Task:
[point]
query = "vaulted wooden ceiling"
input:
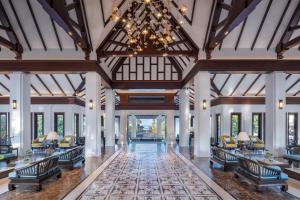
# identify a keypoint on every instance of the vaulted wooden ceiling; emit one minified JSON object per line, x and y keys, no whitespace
{"x":223,"y":29}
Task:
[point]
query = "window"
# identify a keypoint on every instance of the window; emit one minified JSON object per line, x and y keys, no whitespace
{"x":84,"y":124}
{"x":235,"y":124}
{"x":38,"y":124}
{"x":4,"y":126}
{"x":257,"y":125}
{"x":59,"y":123}
{"x":218,"y":127}
{"x":176,"y":124}
{"x":76,"y":126}
{"x":117,"y":126}
{"x":292,"y":129}
{"x":192,"y":122}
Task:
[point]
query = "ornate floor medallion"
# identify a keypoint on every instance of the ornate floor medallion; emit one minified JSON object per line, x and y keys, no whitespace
{"x":148,"y":175}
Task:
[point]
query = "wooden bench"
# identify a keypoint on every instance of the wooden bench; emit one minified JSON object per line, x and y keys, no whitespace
{"x":261,"y":175}
{"x":35,"y":173}
{"x":71,"y":157}
{"x":224,"y":158}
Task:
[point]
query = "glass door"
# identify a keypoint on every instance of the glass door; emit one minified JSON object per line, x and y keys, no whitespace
{"x":146,"y":127}
{"x":292,"y":129}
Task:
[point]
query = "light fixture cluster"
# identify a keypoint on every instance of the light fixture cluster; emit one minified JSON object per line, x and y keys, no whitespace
{"x":148,"y":23}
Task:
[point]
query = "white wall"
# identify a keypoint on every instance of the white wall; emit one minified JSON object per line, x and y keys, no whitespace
{"x":246,"y":112}
{"x":50,"y":109}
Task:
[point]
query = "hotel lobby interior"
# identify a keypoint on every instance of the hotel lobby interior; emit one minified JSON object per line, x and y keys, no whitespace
{"x":150,"y":99}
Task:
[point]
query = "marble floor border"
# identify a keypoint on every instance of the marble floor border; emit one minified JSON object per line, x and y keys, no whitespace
{"x":217,"y":189}
{"x":78,"y":190}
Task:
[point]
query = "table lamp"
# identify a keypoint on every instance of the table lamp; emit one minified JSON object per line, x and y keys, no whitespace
{"x":243,"y":138}
{"x":52,"y":136}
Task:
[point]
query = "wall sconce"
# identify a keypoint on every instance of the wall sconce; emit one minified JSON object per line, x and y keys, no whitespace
{"x":204,"y":104}
{"x":280,"y":104}
{"x":91,"y":105}
{"x":14,"y":104}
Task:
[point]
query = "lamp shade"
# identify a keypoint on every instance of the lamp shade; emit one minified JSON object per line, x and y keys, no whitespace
{"x":243,"y":136}
{"x":52,"y":136}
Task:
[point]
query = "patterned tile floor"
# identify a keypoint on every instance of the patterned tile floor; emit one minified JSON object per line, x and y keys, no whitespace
{"x":146,"y":174}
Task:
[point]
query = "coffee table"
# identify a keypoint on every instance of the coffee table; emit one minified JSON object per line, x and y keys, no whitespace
{"x":293,"y":173}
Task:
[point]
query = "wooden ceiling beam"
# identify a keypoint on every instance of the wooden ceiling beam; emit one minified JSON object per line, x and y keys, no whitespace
{"x":285,"y":42}
{"x":12,"y":43}
{"x":146,"y":84}
{"x":243,"y":66}
{"x":239,"y":11}
{"x":57,"y":10}
{"x":147,"y":53}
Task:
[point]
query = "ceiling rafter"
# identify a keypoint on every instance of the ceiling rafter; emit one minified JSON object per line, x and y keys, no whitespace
{"x":58,"y":85}
{"x":251,"y":85}
{"x":286,"y":42}
{"x":238,"y":84}
{"x":278,"y":24}
{"x":238,"y":11}
{"x":59,"y":11}
{"x":12,"y":43}
{"x":36,"y":25}
{"x":80,"y":87}
{"x":261,"y":24}
{"x":44,"y":84}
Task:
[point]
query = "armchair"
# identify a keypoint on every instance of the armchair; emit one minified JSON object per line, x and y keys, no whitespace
{"x":67,"y":142}
{"x":228,"y":142}
{"x":256,"y":143}
{"x":39,"y":142}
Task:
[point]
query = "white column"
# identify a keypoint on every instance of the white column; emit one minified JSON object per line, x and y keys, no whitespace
{"x":109,"y":117}
{"x":134,"y":126}
{"x":20,"y":117}
{"x":275,"y":117}
{"x":123,"y":128}
{"x":202,"y":115}
{"x":159,"y":121}
{"x":170,"y":127}
{"x":184,"y":113}
{"x":93,"y":115}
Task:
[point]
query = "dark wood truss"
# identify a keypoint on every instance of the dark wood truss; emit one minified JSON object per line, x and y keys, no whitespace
{"x":59,"y":11}
{"x":238,"y":11}
{"x":12,"y":42}
{"x":286,"y":42}
{"x":134,"y":68}
{"x":115,"y":45}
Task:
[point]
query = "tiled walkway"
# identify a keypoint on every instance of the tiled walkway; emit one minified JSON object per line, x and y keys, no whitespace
{"x":147,"y":173}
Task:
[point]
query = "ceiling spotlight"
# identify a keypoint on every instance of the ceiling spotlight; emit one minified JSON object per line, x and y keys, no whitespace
{"x":145,"y":32}
{"x":147,"y":1}
{"x":226,"y":33}
{"x":159,"y":15}
{"x":165,"y":54}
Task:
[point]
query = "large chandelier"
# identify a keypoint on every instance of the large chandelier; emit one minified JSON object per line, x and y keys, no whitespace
{"x":148,"y":24}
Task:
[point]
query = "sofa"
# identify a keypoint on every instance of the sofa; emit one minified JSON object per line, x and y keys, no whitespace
{"x":223,"y":158}
{"x":71,"y":157}
{"x":293,"y":155}
{"x":67,"y":142}
{"x":228,"y":142}
{"x":35,"y":173}
{"x":6,"y":153}
{"x":39,"y":142}
{"x":256,"y":144}
{"x":261,"y":175}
